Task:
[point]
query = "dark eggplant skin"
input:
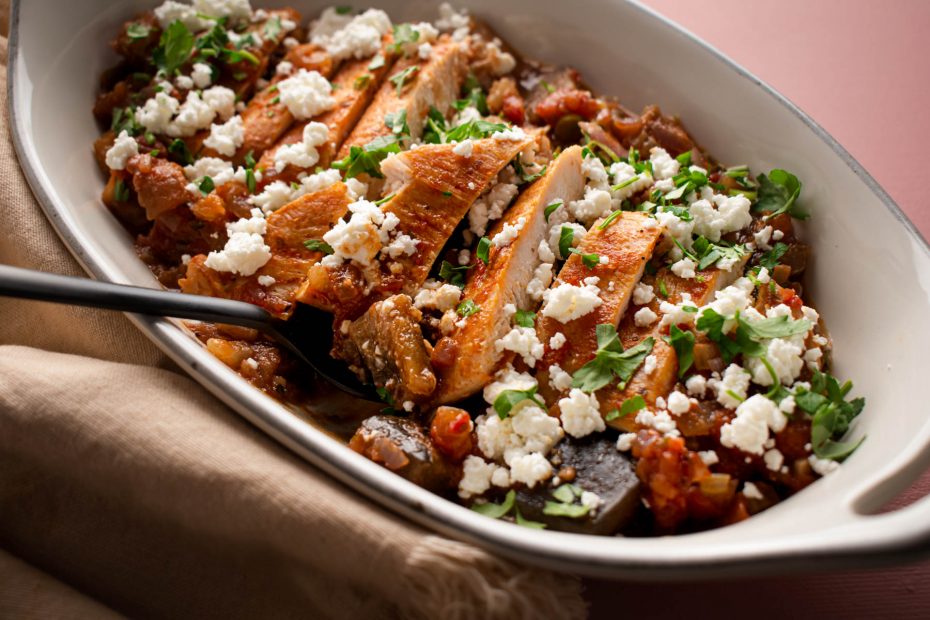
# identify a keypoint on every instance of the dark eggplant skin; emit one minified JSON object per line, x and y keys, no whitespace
{"x":600,"y":468}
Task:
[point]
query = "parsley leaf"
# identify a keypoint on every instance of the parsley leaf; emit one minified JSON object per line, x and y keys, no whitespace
{"x":403,"y":34}
{"x":397,"y":123}
{"x":137,"y":31}
{"x":179,"y":149}
{"x":559,"y":509}
{"x":631,"y":405}
{"x":610,"y":361}
{"x":484,"y":250}
{"x":361,"y":82}
{"x":551,"y":207}
{"x":318,"y":245}
{"x":473,"y":129}
{"x":508,"y":399}
{"x":709,"y":253}
{"x":401,"y":78}
{"x":496,"y":511}
{"x":566,"y":236}
{"x":367,"y":159}
{"x":832,"y":415}
{"x":467,"y":308}
{"x":174,"y":47}
{"x":206,"y":185}
{"x":377,"y":62}
{"x":120,"y":191}
{"x":778,"y":193}
{"x":683,"y":343}
{"x":524,"y":318}
{"x":453,"y":275}
{"x":589,"y":260}
{"x":770,"y":259}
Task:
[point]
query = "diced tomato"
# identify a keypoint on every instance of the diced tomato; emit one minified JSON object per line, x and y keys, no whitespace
{"x":451,"y":432}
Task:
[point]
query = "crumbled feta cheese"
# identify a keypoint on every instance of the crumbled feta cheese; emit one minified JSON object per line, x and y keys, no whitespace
{"x":664,"y":166}
{"x":595,"y":204}
{"x":659,"y":420}
{"x":581,"y":414}
{"x":512,"y":134}
{"x":476,"y":476}
{"x":306,"y":94}
{"x":822,"y":466}
{"x":171,"y":11}
{"x":202,"y":75}
{"x":555,"y":234}
{"x":510,"y":232}
{"x":557,"y":341}
{"x":762,"y":238}
{"x":452,"y":20}
{"x":649,"y":364}
{"x":530,"y":469}
{"x":274,"y":196}
{"x":643,"y":294}
{"x":507,"y":379}
{"x":783,"y":356}
{"x":490,"y":206}
{"x":592,"y":501}
{"x":751,"y":491}
{"x":676,"y":228}
{"x":684,"y":268}
{"x":645,"y":316}
{"x":787,"y":405}
{"x":155,"y":114}
{"x":245,"y":251}
{"x":226,"y":138}
{"x":773,"y":459}
{"x":123,"y":148}
{"x":360,"y":237}
{"x":709,"y":457}
{"x":252,"y":363}
{"x":184,"y":82}
{"x":749,"y":430}
{"x":678,"y":403}
{"x":464,"y":148}
{"x":443,"y":298}
{"x":778,"y":235}
{"x":523,"y":342}
{"x":625,"y":441}
{"x":731,"y":389}
{"x":219,"y":170}
{"x":266,"y":280}
{"x":358,"y":37}
{"x":560,"y":380}
{"x":303,"y":154}
{"x":696,"y":385}
{"x":567,"y":302}
{"x":677,"y":314}
{"x":284,"y":67}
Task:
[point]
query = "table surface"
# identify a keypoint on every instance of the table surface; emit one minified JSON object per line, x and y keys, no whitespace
{"x":861,"y":70}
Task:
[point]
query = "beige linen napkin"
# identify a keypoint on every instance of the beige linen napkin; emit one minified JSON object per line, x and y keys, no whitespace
{"x":124,"y":479}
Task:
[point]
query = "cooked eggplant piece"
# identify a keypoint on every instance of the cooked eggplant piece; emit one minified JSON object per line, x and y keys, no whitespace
{"x":160,"y":185}
{"x":504,"y":279}
{"x":401,"y":445}
{"x":387,"y":345}
{"x":598,"y":467}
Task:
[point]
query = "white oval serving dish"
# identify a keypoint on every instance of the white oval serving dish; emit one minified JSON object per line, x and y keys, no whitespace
{"x":870,"y":277}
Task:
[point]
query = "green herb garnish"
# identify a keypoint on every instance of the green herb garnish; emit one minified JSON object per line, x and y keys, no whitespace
{"x":610,"y":361}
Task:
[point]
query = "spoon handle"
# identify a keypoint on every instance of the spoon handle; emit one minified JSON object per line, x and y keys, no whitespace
{"x":29,"y":284}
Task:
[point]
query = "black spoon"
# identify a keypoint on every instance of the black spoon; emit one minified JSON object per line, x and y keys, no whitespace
{"x":308,"y":335}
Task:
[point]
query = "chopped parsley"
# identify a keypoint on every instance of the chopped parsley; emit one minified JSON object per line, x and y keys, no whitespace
{"x":206,"y":185}
{"x":683,"y":343}
{"x":318,"y":245}
{"x":565,"y":506}
{"x":120,"y":191}
{"x":524,"y":318}
{"x":404,"y":34}
{"x":832,"y":414}
{"x":498,"y":511}
{"x":467,"y":308}
{"x":709,"y":253}
{"x":551,"y":207}
{"x":610,"y":361}
{"x":137,"y":31}
{"x":778,"y":193}
{"x":484,"y":250}
{"x":400,"y":79}
{"x":588,"y":260}
{"x":508,"y":399}
{"x":174,"y":48}
{"x":377,"y":62}
{"x":770,"y":259}
{"x":610,"y":219}
{"x":182,"y":154}
{"x":566,"y":237}
{"x":361,"y":82}
{"x":453,"y":275}
{"x":367,"y":159}
{"x":397,"y":123}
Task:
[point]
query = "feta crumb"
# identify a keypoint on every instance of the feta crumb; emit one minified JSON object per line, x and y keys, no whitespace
{"x":557,"y":341}
{"x":645,"y":316}
{"x":749,"y":430}
{"x":245,"y":251}
{"x":731,"y":389}
{"x":227,"y":137}
{"x":507,"y":235}
{"x":464,"y":148}
{"x":306,"y":94}
{"x":580,"y":414}
{"x":643,"y":294}
{"x":773,"y":459}
{"x":252,"y":363}
{"x":649,"y":364}
{"x":560,"y":380}
{"x":822,"y":466}
{"x":476,"y":476}
{"x":344,"y":37}
{"x":523,"y":342}
{"x":591,"y":500}
{"x":530,"y":469}
{"x":567,"y":302}
{"x":696,"y":385}
{"x":625,"y":441}
{"x":122,"y":150}
{"x":778,"y":235}
{"x":678,"y":403}
{"x":751,"y":491}
{"x":664,"y":166}
{"x":202,"y":75}
{"x":659,"y":420}
{"x":266,"y":280}
{"x":512,"y":134}
{"x":284,"y":68}
{"x":684,"y":268}
{"x":709,"y":457}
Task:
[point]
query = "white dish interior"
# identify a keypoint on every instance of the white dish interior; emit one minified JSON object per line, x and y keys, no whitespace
{"x":870,"y":277}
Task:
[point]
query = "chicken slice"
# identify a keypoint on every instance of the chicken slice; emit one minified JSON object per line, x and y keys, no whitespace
{"x":354,"y":86}
{"x":503,"y":280}
{"x":436,"y":188}
{"x":414,"y":85}
{"x":663,"y":376}
{"x":386,"y":345}
{"x":627,"y":243}
{"x":308,"y":217}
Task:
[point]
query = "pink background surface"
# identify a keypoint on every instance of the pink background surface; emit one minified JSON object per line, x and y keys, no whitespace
{"x":861,"y":69}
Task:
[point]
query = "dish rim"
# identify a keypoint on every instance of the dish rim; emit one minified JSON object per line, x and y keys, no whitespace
{"x":837,"y":547}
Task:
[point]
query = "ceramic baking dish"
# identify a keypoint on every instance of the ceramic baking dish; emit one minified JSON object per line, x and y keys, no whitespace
{"x":870,"y":276}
